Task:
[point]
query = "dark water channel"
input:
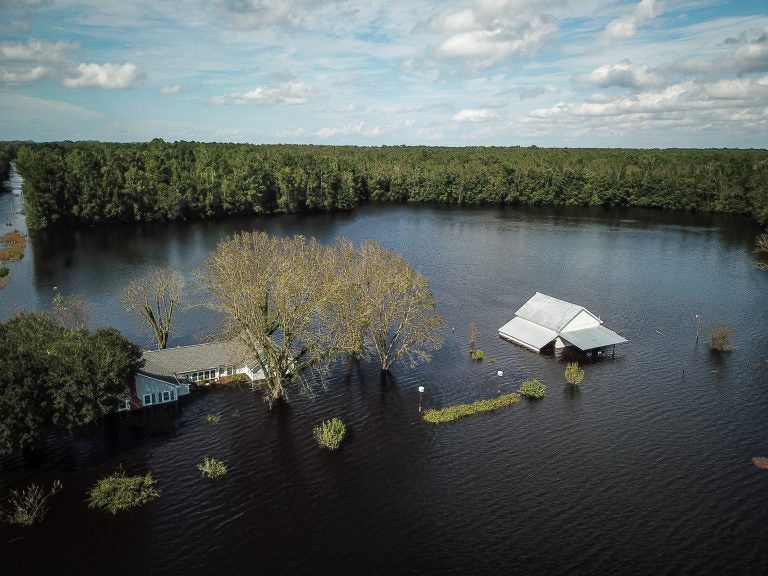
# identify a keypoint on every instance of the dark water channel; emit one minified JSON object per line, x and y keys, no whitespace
{"x":639,"y":471}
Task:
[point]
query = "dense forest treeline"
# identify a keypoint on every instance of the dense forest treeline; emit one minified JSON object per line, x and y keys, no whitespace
{"x":73,"y":183}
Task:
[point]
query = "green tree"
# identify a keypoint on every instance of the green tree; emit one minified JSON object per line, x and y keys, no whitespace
{"x":52,"y":376}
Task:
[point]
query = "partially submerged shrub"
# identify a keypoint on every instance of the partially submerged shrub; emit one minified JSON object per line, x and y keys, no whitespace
{"x":212,"y":418}
{"x":29,"y":505}
{"x":330,"y":433}
{"x":477,"y":354}
{"x":457,"y":411}
{"x":120,"y":492}
{"x":720,"y":337}
{"x":533,"y":389}
{"x":573,"y":373}
{"x":4,"y":271}
{"x":212,"y":468}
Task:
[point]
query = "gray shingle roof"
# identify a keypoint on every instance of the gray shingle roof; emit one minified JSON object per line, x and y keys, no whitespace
{"x":196,"y":357}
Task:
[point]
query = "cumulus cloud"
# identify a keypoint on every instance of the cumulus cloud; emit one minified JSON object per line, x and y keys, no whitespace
{"x":474,"y":115}
{"x":494,"y":30}
{"x":721,"y":99}
{"x":624,"y":74}
{"x":282,"y":93}
{"x":33,"y":60}
{"x":626,"y":26}
{"x":108,"y":76}
{"x":751,"y":55}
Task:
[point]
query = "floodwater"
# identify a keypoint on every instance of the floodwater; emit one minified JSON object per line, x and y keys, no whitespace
{"x":643,"y":469}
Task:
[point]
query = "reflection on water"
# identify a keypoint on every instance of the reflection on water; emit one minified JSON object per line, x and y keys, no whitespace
{"x":640,"y":469}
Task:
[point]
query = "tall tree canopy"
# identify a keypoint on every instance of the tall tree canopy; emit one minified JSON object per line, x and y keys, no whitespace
{"x":90,"y":182}
{"x":52,"y":376}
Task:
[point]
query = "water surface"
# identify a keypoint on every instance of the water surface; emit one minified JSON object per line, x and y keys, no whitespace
{"x":643,"y":469}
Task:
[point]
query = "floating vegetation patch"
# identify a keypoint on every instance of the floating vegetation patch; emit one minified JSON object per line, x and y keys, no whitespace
{"x":760,"y":461}
{"x":457,"y":411}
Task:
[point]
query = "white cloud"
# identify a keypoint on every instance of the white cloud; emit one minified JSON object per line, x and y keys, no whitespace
{"x":475,"y":115}
{"x":255,"y":14}
{"x":326,"y":132}
{"x":166,"y":90}
{"x":624,"y":74}
{"x":626,"y":26}
{"x":282,"y":93}
{"x":32,"y":60}
{"x":20,"y":105}
{"x":487,"y":46}
{"x":107,"y":76}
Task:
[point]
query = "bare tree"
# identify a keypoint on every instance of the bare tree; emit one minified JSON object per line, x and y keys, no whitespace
{"x":70,"y":311}
{"x":399,"y":315}
{"x":297,"y":305}
{"x":153,"y":298}
{"x":277,"y":297}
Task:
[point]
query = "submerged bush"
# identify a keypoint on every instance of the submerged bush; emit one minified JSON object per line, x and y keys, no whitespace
{"x":573,"y":373}
{"x":477,"y":354}
{"x":720,"y":337}
{"x":4,"y":271}
{"x":120,"y":492}
{"x":212,"y":468}
{"x":533,"y":389}
{"x":330,"y":433}
{"x":457,"y":411}
{"x":29,"y":505}
{"x":212,"y":418}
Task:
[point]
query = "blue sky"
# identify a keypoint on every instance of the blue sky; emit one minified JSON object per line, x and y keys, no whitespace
{"x":650,"y":73}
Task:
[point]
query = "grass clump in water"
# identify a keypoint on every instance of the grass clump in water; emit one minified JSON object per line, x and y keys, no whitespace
{"x":477,"y":354}
{"x":29,"y":505}
{"x":720,"y":337}
{"x":533,"y":389}
{"x":119,"y":492}
{"x":212,"y":418}
{"x":457,"y":411}
{"x":212,"y":468}
{"x":330,"y":433}
{"x":573,"y":373}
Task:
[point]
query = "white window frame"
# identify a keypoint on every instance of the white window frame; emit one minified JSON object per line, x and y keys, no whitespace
{"x":147,"y":399}
{"x":166,"y":396}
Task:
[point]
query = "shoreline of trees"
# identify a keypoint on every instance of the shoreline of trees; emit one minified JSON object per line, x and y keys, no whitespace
{"x":79,"y":183}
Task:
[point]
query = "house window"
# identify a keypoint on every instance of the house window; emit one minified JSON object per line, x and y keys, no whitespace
{"x":147,"y":399}
{"x":229,"y":370}
{"x":173,"y":394}
{"x":154,"y":398}
{"x":166,"y":396}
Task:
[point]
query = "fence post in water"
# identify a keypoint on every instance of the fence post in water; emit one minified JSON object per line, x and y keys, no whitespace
{"x":698,"y":327}
{"x":421,"y":391}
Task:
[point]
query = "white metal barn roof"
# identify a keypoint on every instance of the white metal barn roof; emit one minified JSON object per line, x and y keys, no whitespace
{"x":543,"y":318}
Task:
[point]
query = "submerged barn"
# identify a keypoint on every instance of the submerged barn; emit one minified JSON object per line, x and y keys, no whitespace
{"x":545,"y":320}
